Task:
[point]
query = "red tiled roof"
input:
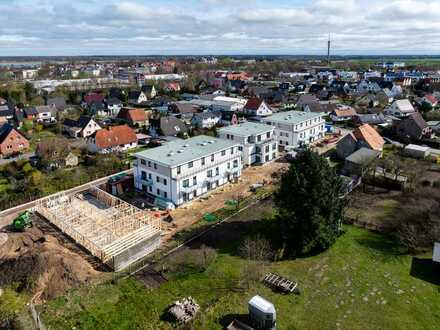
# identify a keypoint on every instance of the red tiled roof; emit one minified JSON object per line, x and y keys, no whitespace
{"x":431,"y":98}
{"x":93,"y":98}
{"x":114,"y":136}
{"x":253,"y":104}
{"x":345,"y":112}
{"x":370,"y":136}
{"x":133,"y":114}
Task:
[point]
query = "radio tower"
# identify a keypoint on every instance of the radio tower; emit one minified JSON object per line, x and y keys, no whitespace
{"x":328,"y":50}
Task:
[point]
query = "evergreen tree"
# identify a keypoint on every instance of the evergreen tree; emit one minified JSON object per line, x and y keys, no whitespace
{"x":310,"y":204}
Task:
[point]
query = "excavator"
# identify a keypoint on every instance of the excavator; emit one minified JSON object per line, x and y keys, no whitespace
{"x":22,"y":222}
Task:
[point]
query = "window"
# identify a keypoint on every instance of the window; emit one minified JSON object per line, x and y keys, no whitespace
{"x":157,"y":179}
{"x":259,"y":138}
{"x":165,"y":195}
{"x":240,"y":148}
{"x":179,"y":169}
{"x":212,"y":157}
{"x":217,"y":171}
{"x":274,"y":146}
{"x":150,"y":189}
{"x":235,"y":163}
{"x":149,"y":176}
{"x":194,"y":180}
{"x":203,"y":161}
{"x":209,"y":174}
{"x":149,"y":164}
{"x":232,"y":150}
{"x":143,"y":175}
{"x":155,"y":166}
{"x":158,"y":192}
{"x":190,"y":164}
{"x":143,"y":162}
{"x":185,"y":183}
{"x":273,"y":156}
{"x":267,"y":149}
{"x":268,"y":135}
{"x":223,"y":152}
{"x":165,"y":182}
{"x":229,"y":166}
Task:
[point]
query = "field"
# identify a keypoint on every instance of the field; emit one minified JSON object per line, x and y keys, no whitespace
{"x":362,"y":282}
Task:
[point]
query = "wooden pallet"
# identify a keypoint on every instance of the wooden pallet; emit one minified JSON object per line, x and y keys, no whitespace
{"x":280,"y":283}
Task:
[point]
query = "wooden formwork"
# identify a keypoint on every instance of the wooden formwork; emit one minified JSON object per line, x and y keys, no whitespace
{"x":100,"y":222}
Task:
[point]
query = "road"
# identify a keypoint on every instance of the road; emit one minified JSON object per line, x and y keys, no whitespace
{"x":25,"y":156}
{"x":6,"y":216}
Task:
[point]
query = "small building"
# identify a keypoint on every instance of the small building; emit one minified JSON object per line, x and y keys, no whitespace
{"x":342,"y":114}
{"x":256,"y":107}
{"x":257,"y":141}
{"x":114,"y":105}
{"x":168,"y":126}
{"x":150,"y":91}
{"x":137,"y":97}
{"x":83,"y":127}
{"x":41,"y":113}
{"x":58,"y":102}
{"x":413,"y":127}
{"x":357,"y":162}
{"x":401,"y":108}
{"x":416,"y":151}
{"x":11,"y":141}
{"x":364,"y":136}
{"x":206,"y":119}
{"x":134,"y":116}
{"x":111,"y":139}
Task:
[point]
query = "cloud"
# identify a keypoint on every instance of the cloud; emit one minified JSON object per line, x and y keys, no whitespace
{"x":40,"y":27}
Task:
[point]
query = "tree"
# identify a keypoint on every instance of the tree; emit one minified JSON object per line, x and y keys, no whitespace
{"x":309,"y":204}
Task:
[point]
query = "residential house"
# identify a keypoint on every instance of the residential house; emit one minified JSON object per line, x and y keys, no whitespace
{"x":413,"y":127}
{"x":168,"y":126}
{"x":229,"y":118}
{"x":182,"y":170}
{"x":59,"y":102}
{"x":6,"y":113}
{"x":326,"y":108}
{"x":297,"y":128}
{"x":114,"y":105}
{"x":401,"y":108}
{"x":257,"y":141}
{"x":172,"y":87}
{"x":98,"y":109}
{"x":134,"y":116}
{"x":342,"y":113}
{"x":371,"y":119}
{"x":83,"y":127}
{"x":11,"y":141}
{"x":364,"y":136}
{"x":137,"y":97}
{"x":41,"y":113}
{"x":306,"y":99}
{"x":183,"y":107}
{"x":92,"y":98}
{"x":114,"y":138}
{"x":206,"y":119}
{"x":149,"y":91}
{"x":257,"y":108}
{"x":430,"y":99}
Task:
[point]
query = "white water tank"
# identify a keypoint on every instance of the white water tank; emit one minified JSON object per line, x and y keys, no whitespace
{"x":262,"y":313}
{"x":436,"y":254}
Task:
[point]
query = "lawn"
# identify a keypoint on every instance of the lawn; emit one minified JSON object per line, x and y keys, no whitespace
{"x":362,"y":282}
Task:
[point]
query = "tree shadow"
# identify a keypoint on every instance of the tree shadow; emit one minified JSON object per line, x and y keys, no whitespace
{"x":425,"y":270}
{"x":385,"y":245}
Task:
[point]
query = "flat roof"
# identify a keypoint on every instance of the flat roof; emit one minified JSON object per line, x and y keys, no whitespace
{"x":292,"y":117}
{"x":246,"y":129}
{"x":181,"y":151}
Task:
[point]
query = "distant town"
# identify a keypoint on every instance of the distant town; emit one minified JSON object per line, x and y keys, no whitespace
{"x":220,"y":192}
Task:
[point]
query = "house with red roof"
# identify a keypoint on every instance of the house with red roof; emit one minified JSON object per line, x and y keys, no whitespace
{"x":11,"y":141}
{"x":430,"y":99}
{"x":112,"y":139}
{"x":364,"y":136}
{"x":256,"y":107}
{"x":134,"y":116}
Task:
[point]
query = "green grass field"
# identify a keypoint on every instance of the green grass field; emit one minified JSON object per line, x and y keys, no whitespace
{"x":362,"y":282}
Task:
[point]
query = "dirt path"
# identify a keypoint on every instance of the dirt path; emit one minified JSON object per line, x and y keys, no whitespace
{"x":191,"y":213}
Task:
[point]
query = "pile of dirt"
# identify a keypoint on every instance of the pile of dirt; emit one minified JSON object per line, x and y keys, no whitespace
{"x":40,"y":264}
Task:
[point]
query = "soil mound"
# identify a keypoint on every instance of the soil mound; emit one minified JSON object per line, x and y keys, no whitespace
{"x":40,"y":264}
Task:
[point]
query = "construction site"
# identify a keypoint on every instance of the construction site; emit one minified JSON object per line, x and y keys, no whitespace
{"x":115,"y":232}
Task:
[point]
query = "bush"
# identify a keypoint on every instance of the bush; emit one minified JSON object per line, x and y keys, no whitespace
{"x":256,"y":248}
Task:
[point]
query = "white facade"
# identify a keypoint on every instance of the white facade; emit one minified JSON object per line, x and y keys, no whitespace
{"x":296,"y":128}
{"x":401,"y":108}
{"x":182,"y":170}
{"x":257,"y":142}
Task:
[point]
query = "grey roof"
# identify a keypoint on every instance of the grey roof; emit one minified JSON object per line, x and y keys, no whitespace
{"x":246,"y":129}
{"x":207,"y":115}
{"x":292,"y":117}
{"x":363,"y":156}
{"x":179,"y":151}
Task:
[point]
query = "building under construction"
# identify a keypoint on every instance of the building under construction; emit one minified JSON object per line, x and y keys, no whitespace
{"x":114,"y":231}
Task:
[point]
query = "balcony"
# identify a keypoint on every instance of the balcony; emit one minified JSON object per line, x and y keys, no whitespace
{"x":147,"y":182}
{"x":197,"y":169}
{"x":213,"y":178}
{"x":233,"y":170}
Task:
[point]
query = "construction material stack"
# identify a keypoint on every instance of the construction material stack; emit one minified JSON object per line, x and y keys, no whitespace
{"x":184,"y":310}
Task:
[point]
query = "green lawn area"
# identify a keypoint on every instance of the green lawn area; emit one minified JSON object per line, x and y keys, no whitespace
{"x":362,"y":282}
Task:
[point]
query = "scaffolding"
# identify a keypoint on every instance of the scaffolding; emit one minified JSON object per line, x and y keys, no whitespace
{"x":114,"y":231}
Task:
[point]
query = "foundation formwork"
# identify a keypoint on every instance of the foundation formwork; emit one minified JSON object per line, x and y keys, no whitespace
{"x":114,"y":231}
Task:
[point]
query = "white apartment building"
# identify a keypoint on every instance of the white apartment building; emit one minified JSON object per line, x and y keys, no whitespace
{"x":257,"y":141}
{"x":296,"y":128}
{"x":182,"y":170}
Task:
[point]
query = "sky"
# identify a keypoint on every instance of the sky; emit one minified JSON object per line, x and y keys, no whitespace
{"x":219,"y":27}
